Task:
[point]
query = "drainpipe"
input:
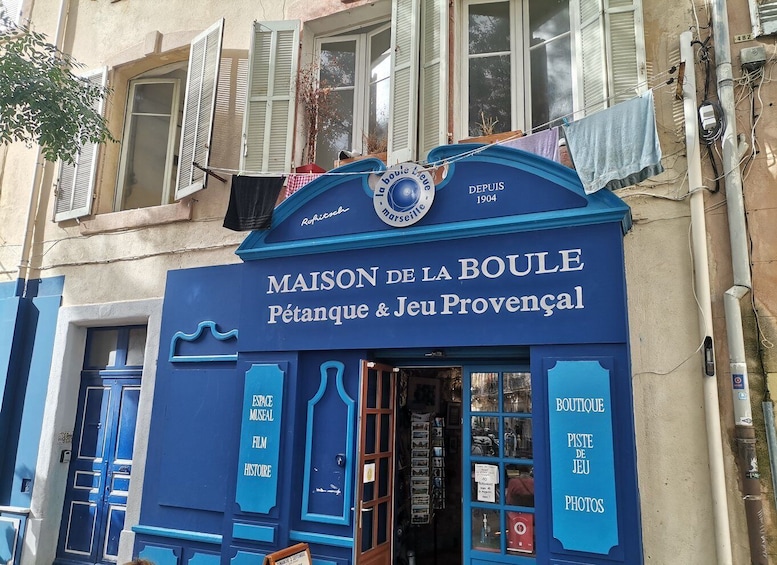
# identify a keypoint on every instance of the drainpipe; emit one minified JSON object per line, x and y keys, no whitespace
{"x":743,"y":417}
{"x":702,"y":286}
{"x":25,"y":263}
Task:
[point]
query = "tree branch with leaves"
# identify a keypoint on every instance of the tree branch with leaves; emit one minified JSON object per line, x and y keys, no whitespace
{"x":41,"y":100}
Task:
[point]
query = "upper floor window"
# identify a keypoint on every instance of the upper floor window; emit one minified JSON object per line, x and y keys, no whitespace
{"x":168,"y":124}
{"x":530,"y":63}
{"x":149,"y":156}
{"x":357,"y":69}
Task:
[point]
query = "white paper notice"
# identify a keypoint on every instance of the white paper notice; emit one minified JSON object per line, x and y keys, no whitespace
{"x":487,"y":474}
{"x":486,"y":492}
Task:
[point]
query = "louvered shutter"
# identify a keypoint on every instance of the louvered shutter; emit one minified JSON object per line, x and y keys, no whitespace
{"x":592,"y":92}
{"x":626,"y":49}
{"x":763,"y":16}
{"x":404,"y":80}
{"x":610,"y":52}
{"x":433,"y":127}
{"x":13,"y":9}
{"x":198,"y":110}
{"x":269,"y":117}
{"x":75,"y":185}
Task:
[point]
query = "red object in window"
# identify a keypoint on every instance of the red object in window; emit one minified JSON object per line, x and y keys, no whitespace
{"x":520,"y":532}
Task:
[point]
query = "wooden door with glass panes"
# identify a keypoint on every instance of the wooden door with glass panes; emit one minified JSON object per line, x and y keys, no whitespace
{"x":498,"y":458}
{"x":375,"y":471}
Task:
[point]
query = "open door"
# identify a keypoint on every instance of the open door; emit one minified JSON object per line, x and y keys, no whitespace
{"x":375,"y":472}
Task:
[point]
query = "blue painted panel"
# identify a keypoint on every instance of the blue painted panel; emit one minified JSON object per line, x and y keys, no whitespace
{"x":487,"y":189}
{"x":327,"y":483}
{"x":125,"y":439}
{"x":254,"y":532}
{"x":204,"y":559}
{"x":194,"y":452}
{"x":247,"y":558}
{"x":113,"y":530}
{"x":260,"y":435}
{"x":81,"y":528}
{"x":159,"y":555}
{"x":582,"y":457}
{"x":502,"y":182}
{"x":544,"y":287}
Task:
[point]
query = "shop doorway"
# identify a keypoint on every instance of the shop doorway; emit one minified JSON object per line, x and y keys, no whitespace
{"x":461,"y":440}
{"x":428,"y":483}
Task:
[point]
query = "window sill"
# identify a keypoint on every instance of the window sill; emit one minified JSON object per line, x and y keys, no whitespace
{"x":138,"y":218}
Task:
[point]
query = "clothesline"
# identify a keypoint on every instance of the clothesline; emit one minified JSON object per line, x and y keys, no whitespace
{"x":430,"y":164}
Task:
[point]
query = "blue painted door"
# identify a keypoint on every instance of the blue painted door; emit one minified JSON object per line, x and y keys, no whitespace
{"x":101,"y":457}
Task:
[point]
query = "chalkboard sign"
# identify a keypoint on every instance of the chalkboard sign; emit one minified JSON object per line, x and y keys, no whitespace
{"x":295,"y":555}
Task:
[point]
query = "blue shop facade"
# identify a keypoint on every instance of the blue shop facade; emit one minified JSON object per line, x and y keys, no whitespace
{"x":411,"y":364}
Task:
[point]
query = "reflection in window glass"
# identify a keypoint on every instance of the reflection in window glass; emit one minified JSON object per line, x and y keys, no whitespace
{"x":517,"y":392}
{"x":489,"y":67}
{"x":102,"y":348}
{"x":485,"y":434}
{"x":518,"y":438}
{"x":137,"y":346}
{"x":551,"y":61}
{"x":485,"y":392}
{"x":380,"y":71}
{"x":151,"y":136}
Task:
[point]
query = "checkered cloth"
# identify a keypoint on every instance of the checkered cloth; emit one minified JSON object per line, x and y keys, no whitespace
{"x":298,"y":180}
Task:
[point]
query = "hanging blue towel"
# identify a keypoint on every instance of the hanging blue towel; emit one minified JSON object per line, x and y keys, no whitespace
{"x":616,"y":147}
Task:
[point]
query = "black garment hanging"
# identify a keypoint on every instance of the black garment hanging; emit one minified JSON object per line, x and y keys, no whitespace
{"x":251,"y":202}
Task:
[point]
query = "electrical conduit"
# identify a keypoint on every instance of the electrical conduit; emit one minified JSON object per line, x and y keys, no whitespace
{"x":743,"y":419}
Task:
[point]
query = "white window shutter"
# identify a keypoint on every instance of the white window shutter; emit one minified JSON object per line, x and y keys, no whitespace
{"x":626,"y":49}
{"x":609,"y":51}
{"x":198,"y":110}
{"x":75,"y":185}
{"x":269,"y":117}
{"x":763,"y":16}
{"x":433,"y":127}
{"x":404,"y":80}
{"x":591,"y":62}
{"x":13,"y":10}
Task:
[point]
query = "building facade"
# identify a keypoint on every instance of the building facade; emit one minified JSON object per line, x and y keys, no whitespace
{"x":445,"y":348}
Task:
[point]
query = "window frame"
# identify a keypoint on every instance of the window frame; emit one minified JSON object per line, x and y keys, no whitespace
{"x":360,"y":119}
{"x":175,"y":118}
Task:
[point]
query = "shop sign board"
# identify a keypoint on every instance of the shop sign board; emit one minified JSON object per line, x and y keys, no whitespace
{"x":581,"y":456}
{"x":536,"y":287}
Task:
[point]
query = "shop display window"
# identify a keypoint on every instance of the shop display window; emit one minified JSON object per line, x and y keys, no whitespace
{"x":501,"y":463}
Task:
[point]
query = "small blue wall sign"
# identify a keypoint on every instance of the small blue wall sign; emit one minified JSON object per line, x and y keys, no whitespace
{"x":585,"y":514}
{"x":260,"y":435}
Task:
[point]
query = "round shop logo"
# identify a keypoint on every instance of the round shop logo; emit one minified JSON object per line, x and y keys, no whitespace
{"x":403,"y":195}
